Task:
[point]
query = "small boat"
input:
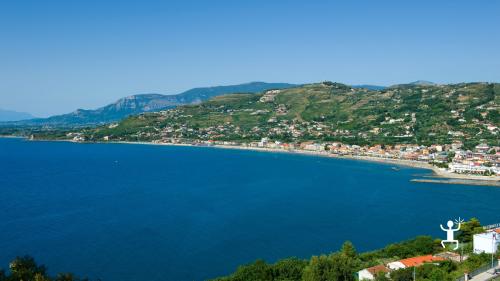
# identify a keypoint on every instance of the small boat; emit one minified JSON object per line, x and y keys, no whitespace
{"x":395,"y":168}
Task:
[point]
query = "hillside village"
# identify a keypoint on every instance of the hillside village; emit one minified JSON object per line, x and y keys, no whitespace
{"x":455,"y":127}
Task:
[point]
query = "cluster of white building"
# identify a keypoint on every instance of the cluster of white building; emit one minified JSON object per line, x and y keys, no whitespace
{"x":472,"y":168}
{"x":483,"y":160}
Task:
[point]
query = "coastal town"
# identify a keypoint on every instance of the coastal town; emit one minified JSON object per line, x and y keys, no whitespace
{"x":451,"y":129}
{"x":191,"y":140}
{"x":483,"y":160}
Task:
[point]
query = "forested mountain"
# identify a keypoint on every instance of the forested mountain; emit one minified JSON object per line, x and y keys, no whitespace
{"x":409,"y":113}
{"x":144,"y":103}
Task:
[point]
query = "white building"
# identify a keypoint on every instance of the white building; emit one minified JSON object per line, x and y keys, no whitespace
{"x":471,"y":168}
{"x":371,"y":273}
{"x":263,"y":142}
{"x":487,"y":242}
{"x":314,"y":147}
{"x":395,"y":265}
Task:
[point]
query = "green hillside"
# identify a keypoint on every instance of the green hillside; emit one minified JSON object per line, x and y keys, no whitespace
{"x":411,"y":113}
{"x":136,"y":104}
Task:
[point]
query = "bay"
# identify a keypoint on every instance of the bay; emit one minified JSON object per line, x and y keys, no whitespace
{"x":123,"y":212}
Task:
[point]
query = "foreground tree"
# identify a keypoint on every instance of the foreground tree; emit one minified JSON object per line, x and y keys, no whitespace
{"x":404,"y":274}
{"x":340,"y":266}
{"x":26,"y":269}
{"x":288,"y":269}
{"x":468,"y":229}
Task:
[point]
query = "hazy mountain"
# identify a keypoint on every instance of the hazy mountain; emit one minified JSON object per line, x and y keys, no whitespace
{"x":423,"y":83}
{"x":369,"y":87}
{"x":197,"y":95}
{"x":418,"y":83}
{"x":8,"y":115}
{"x":137,"y":104}
{"x":112,"y":112}
{"x":466,"y":112}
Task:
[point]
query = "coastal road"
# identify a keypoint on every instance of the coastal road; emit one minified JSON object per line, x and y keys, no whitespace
{"x":487,"y":276}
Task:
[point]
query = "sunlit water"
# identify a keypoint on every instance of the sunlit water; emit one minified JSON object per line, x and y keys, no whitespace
{"x":137,"y":212}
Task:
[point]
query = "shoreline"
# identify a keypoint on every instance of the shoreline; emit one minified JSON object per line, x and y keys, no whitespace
{"x":438,"y":175}
{"x":11,"y":137}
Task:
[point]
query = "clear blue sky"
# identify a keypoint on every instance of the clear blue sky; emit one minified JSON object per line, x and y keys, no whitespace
{"x":56,"y":56}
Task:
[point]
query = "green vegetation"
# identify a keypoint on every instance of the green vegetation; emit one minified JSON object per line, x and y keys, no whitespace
{"x":468,"y":229}
{"x":417,"y":114}
{"x":26,"y":269}
{"x":344,"y":264}
{"x":45,"y":133}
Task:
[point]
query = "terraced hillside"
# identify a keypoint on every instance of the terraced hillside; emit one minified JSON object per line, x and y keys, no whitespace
{"x":327,"y":111}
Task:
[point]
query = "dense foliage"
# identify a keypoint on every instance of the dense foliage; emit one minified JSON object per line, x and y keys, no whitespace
{"x":26,"y":269}
{"x":344,"y":264}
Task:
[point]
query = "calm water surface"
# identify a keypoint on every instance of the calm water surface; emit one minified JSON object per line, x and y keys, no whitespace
{"x":127,"y":212}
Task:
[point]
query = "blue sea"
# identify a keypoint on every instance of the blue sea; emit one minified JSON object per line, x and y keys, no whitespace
{"x":122,"y":212}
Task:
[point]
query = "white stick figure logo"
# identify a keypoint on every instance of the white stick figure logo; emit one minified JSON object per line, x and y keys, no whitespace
{"x":450,"y":232}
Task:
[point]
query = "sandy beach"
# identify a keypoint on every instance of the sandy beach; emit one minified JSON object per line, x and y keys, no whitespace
{"x":439,"y":175}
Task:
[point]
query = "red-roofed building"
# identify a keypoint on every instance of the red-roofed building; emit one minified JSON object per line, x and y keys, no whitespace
{"x":412,"y":262}
{"x":371,"y":272}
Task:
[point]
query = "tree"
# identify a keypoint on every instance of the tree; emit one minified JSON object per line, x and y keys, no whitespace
{"x":40,"y":277}
{"x":468,"y":229}
{"x":404,"y":274}
{"x":288,"y":269}
{"x":476,"y":261}
{"x":435,"y":272}
{"x":339,"y":266}
{"x":343,"y":267}
{"x":257,"y":271}
{"x":348,"y":249}
{"x":422,"y":245}
{"x":381,"y":276}
{"x":25,"y":268}
{"x":317,"y":269}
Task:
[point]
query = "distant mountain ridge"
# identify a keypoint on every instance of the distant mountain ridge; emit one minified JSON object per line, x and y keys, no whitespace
{"x":141,"y":103}
{"x":327,"y":111}
{"x":112,"y":112}
{"x":9,"y":115}
{"x":197,"y":95}
{"x":423,"y":83}
{"x":369,"y":87}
